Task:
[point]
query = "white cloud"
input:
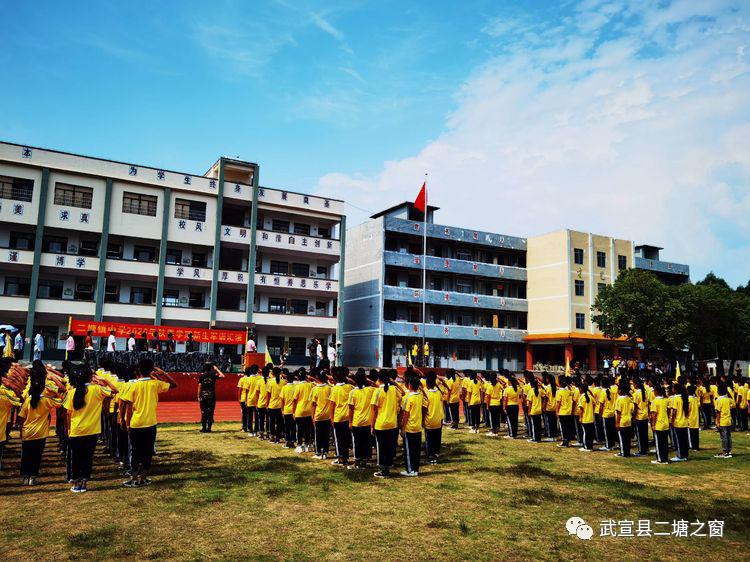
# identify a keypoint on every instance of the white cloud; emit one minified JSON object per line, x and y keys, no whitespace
{"x":614,"y":121}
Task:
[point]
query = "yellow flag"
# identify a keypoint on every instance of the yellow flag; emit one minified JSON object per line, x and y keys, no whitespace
{"x":408,"y":358}
{"x":677,"y":371}
{"x":268,"y":358}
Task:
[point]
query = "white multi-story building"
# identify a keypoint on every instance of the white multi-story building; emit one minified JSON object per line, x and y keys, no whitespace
{"x":114,"y":241}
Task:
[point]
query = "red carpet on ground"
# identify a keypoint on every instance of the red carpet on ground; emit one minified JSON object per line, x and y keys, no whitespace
{"x":182,"y":412}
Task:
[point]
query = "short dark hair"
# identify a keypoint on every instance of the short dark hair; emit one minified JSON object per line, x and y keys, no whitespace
{"x":145,"y":366}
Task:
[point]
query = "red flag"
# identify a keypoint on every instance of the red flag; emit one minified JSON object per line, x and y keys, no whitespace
{"x":421,"y":201}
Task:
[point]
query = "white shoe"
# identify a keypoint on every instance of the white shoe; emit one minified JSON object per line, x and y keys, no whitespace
{"x":298,"y":449}
{"x":318,"y":457}
{"x":408,"y":473}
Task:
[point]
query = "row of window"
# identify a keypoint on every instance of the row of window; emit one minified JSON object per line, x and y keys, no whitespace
{"x":295,"y":306}
{"x":285,"y":226}
{"x":579,"y":287}
{"x":296,"y":269}
{"x":276,"y":345}
{"x":601,"y":259}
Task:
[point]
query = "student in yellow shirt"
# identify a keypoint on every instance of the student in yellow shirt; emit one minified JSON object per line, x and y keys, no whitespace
{"x":510,"y":406}
{"x":742,"y":395}
{"x":723,"y":409}
{"x":34,"y":422}
{"x":493,"y":397}
{"x":536,"y":401}
{"x":342,"y":435}
{"x":624,"y":408}
{"x":275,"y":384}
{"x":474,"y":396}
{"x":608,"y":396}
{"x":659,"y":409}
{"x":142,"y":394}
{"x":641,"y":402}
{"x":550,"y":409}
{"x":412,"y":406}
{"x":360,"y":410}
{"x":433,"y":420}
{"x":287,"y":409}
{"x":564,"y":411}
{"x":322,"y":409}
{"x":242,"y":385}
{"x":679,"y":421}
{"x":8,"y":401}
{"x":303,"y":412}
{"x":586,"y":407}
{"x":694,"y":410}
{"x":454,"y":397}
{"x":84,"y":407}
{"x":384,"y":419}
{"x":704,"y":395}
{"x":251,"y":399}
{"x":262,"y":409}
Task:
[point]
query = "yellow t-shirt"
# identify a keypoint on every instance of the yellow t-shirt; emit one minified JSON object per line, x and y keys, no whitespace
{"x":641,"y":405}
{"x":659,"y":406}
{"x":263,"y":392}
{"x":242,"y":384}
{"x":454,"y":386}
{"x":361,"y":399}
{"x":742,"y":396}
{"x":694,"y":412}
{"x":434,"y":418}
{"x":7,"y":401}
{"x":511,"y":394}
{"x":88,"y":419}
{"x":287,"y":399}
{"x":586,"y":405}
{"x":564,"y":399}
{"x":321,"y":398}
{"x":723,"y":405}
{"x":388,"y":405}
{"x":144,"y":395}
{"x":609,"y":403}
{"x":680,"y":417}
{"x":474,"y":392}
{"x":536,"y":399}
{"x":340,"y":399}
{"x":495,"y":393}
{"x":274,"y":392}
{"x":412,"y":404}
{"x":36,"y":420}
{"x":302,"y":393}
{"x":551,"y":402}
{"x":251,"y":390}
{"x":624,"y":405}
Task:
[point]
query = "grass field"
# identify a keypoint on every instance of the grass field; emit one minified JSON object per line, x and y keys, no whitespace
{"x":226,"y":496}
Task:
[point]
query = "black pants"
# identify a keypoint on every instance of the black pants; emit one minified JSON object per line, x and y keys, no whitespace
{"x":609,"y":432}
{"x":275,"y":423}
{"x":453,"y":410}
{"x":662,"y":446}
{"x":599,"y":429}
{"x":304,"y":430}
{"x":641,"y":431}
{"x":31,"y":456}
{"x":485,"y":415}
{"x":322,"y":436}
{"x":82,"y":456}
{"x":433,"y":439}
{"x":589,"y":432}
{"x":494,"y":412}
{"x":474,"y":415}
{"x":413,"y":450}
{"x":123,"y":446}
{"x":708,"y":415}
{"x":536,"y":427}
{"x":579,"y":430}
{"x":681,"y":433}
{"x":362,"y":443}
{"x":208,"y":405}
{"x":467,"y":413}
{"x":342,"y":440}
{"x":244,"y":409}
{"x":742,"y":419}
{"x":262,"y":414}
{"x":142,"y":441}
{"x":114,"y":434}
{"x":289,"y":429}
{"x":2,"y":450}
{"x":386,"y":441}
{"x":567,"y":426}
{"x":625,"y":435}
{"x":694,"y":438}
{"x":512,"y":411}
{"x":551,"y":417}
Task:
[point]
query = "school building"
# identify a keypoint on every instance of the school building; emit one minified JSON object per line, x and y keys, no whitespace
{"x":492,"y":300}
{"x":116,"y":241}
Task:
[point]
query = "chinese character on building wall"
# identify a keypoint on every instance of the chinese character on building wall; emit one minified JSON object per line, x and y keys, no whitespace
{"x":25,"y":152}
{"x":187,"y":180}
{"x":64,"y":215}
{"x":132,"y":171}
{"x":160,"y":175}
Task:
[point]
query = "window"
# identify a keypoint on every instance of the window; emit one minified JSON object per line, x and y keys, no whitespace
{"x":278,"y":225}
{"x":578,"y":256}
{"x":17,"y":189}
{"x":21,"y":241}
{"x":463,"y":351}
{"x":463,"y":286}
{"x":144,"y":254}
{"x":50,"y":289}
{"x":277,"y":305}
{"x":622,"y":262}
{"x":299,"y":306}
{"x":174,"y":256}
{"x":324,"y":232}
{"x":141,"y":295}
{"x":463,"y":255}
{"x":171,"y":297}
{"x":302,"y":229}
{"x":84,"y":292}
{"x":297,"y":346}
{"x":279,"y":267}
{"x":601,"y":259}
{"x":321,"y":309}
{"x":197,"y":300}
{"x":114,"y":251}
{"x":274,"y":344}
{"x":600,"y":286}
{"x":88,"y":248}
{"x":139,"y":204}
{"x":111,"y":293}
{"x":54,"y":244}
{"x":580,"y":321}
{"x":73,"y":195}
{"x":322,"y":271}
{"x":191,"y":210}
{"x":199,"y":260}
{"x":17,"y":287}
{"x":301,"y":269}
{"x":579,"y":288}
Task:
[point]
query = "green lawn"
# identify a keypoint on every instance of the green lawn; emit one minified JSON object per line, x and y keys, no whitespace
{"x":226,"y":496}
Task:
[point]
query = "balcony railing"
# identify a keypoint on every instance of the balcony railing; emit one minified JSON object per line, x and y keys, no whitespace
{"x":448,"y":265}
{"x":456,"y":234}
{"x":449,"y":298}
{"x":449,"y":331}
{"x":292,"y":282}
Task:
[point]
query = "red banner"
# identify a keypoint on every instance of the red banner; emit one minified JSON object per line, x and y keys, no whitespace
{"x":179,"y":333}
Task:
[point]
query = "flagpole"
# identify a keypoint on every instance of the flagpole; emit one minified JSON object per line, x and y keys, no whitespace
{"x":424,"y":273}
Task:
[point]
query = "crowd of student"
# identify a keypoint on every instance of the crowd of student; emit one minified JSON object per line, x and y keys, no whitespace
{"x":365,"y":412}
{"x":115,"y":405}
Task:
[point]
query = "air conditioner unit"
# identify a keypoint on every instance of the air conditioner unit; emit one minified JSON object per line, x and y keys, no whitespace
{"x":313,"y":274}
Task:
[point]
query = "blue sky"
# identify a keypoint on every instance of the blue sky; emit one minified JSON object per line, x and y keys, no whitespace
{"x":629,"y":118}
